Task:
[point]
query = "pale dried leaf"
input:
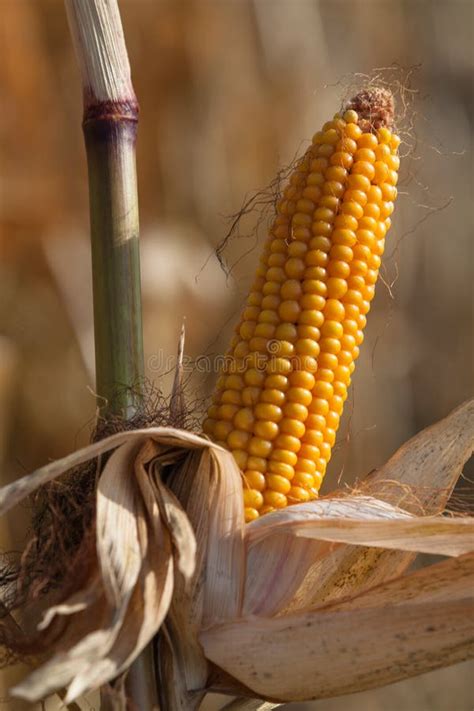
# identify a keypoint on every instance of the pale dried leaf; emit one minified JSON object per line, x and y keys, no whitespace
{"x":119,"y":508}
{"x":273,"y":543}
{"x":421,"y":475}
{"x":419,"y":478}
{"x":420,"y":623}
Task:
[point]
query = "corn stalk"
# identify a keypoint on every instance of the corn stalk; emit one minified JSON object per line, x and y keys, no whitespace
{"x":110,"y":126}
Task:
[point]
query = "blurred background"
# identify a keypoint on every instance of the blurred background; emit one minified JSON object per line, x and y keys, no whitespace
{"x":229,"y":92}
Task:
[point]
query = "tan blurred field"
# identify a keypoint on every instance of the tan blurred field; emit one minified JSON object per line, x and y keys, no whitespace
{"x":230,"y":91}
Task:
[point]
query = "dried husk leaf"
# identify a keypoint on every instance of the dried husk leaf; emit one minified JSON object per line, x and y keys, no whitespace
{"x":315,"y":571}
{"x":209,"y":487}
{"x":354,"y":520}
{"x":142,"y":534}
{"x":400,"y":629}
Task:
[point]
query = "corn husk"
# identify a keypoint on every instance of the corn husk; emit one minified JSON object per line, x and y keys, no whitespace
{"x":317,"y":586}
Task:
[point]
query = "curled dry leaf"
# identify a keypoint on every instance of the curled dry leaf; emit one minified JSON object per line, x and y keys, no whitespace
{"x":317,"y":587}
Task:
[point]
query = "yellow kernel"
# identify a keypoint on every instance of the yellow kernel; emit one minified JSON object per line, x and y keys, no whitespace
{"x":265,"y":429}
{"x":273,"y":396}
{"x":241,"y":349}
{"x":295,"y":410}
{"x":276,"y":482}
{"x":279,"y":382}
{"x":358,"y":182}
{"x":350,"y":116}
{"x":339,"y":269}
{"x":292,"y":427}
{"x":281,"y":468}
{"x":275,"y":499}
{"x":328,"y":361}
{"x":344,"y":236}
{"x":353,"y":297}
{"x":342,"y":159}
{"x":311,"y":332}
{"x":301,"y":378}
{"x":244,"y":419}
{"x":356,"y":282}
{"x":313,"y":193}
{"x":258,"y":464}
{"x":367,"y":140}
{"x":258,"y":344}
{"x":384,"y":135}
{"x":298,"y":396}
{"x":246,"y":329}
{"x":271,"y":287}
{"x":353,"y":131}
{"x":241,"y":457}
{"x":306,"y":346}
{"x":321,"y":229}
{"x":332,"y":420}
{"x":382,"y":152}
{"x":348,"y":341}
{"x":254,"y":377}
{"x":332,"y":329}
{"x":323,"y":389}
{"x":336,"y":404}
{"x":267,"y":411}
{"x":253,"y":498}
{"x":285,"y":349}
{"x":274,"y":260}
{"x":289,"y":442}
{"x":345,"y":222}
{"x":275,"y":274}
{"x":317,"y":258}
{"x":238,"y":439}
{"x":289,"y":310}
{"x":304,"y":465}
{"x":298,"y":249}
{"x":313,"y":437}
{"x":336,"y":287}
{"x":334,"y":310}
{"x":365,"y":168}
{"x":365,"y":154}
{"x":251,"y":515}
{"x":286,"y":332}
{"x":311,"y":318}
{"x":325,"y":374}
{"x":353,"y":209}
{"x":295,"y":267}
{"x":319,"y":407}
{"x":259,"y":447}
{"x":304,"y":479}
{"x":298,"y":494}
{"x":380,"y":172}
{"x":291,"y":290}
{"x":278,"y":365}
{"x":254,"y":480}
{"x":305,"y":363}
{"x":227,"y":412}
{"x":250,"y":396}
{"x":232,"y":397}
{"x":285,"y":456}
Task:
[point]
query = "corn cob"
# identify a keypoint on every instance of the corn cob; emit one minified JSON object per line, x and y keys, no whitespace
{"x":280,"y":396}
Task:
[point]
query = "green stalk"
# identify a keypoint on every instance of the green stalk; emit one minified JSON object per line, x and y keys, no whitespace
{"x":110,"y":124}
{"x":110,"y":133}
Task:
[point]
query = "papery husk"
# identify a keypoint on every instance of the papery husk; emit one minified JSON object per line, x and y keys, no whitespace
{"x":418,"y":479}
{"x":210,"y":489}
{"x":400,"y":629}
{"x":144,"y":543}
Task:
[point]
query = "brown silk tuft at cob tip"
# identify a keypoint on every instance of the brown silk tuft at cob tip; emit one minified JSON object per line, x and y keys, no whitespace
{"x":375,"y":108}
{"x":280,"y":396}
